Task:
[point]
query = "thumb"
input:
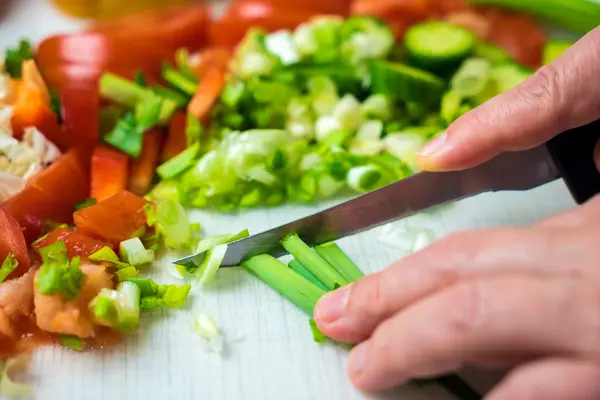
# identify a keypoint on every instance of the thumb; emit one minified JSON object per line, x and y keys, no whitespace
{"x":558,"y":97}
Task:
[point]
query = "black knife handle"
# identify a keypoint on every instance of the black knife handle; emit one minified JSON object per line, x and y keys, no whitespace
{"x":573,"y":153}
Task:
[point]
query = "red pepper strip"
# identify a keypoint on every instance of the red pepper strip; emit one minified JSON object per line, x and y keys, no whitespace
{"x":109,"y":173}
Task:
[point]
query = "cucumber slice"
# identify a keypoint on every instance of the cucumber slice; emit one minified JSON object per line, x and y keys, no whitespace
{"x":402,"y":82}
{"x":509,"y":75}
{"x":491,"y":52}
{"x":438,"y":46}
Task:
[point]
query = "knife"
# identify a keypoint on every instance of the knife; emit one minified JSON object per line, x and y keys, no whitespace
{"x":569,"y":156}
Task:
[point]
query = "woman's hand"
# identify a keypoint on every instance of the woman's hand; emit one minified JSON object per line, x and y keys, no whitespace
{"x":524,"y":297}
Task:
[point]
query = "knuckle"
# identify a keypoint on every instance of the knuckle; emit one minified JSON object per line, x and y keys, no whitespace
{"x":467,"y":309}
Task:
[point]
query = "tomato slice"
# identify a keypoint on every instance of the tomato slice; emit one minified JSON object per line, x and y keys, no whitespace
{"x":337,"y":7}
{"x":77,"y":60}
{"x":51,"y":194}
{"x":241,"y":16}
{"x":13,"y":242}
{"x":126,"y":214}
{"x":78,"y":243}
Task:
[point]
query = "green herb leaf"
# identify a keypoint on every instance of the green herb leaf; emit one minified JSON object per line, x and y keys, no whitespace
{"x":8,"y":266}
{"x":73,"y":342}
{"x":126,"y":136}
{"x":14,"y":57}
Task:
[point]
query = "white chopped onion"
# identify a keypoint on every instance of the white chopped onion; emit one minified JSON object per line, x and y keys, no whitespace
{"x":406,"y":239}
{"x":205,"y":326}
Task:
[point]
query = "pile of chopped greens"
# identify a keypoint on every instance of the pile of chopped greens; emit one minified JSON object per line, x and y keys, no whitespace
{"x":334,"y":107}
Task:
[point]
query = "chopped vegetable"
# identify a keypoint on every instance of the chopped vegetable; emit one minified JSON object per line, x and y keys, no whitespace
{"x":14,"y":58}
{"x":57,"y":273}
{"x":8,"y":387}
{"x":205,"y":326}
{"x":118,"y":309}
{"x":364,"y":178}
{"x":406,"y":239}
{"x":406,"y":83}
{"x":210,"y":265}
{"x":288,"y":283}
{"x":472,"y":78}
{"x":172,"y":223}
{"x":142,"y":169}
{"x":318,"y":336}
{"x":179,"y":81}
{"x":73,"y":342}
{"x":180,"y":163}
{"x":334,"y":255}
{"x":155,"y":296}
{"x":207,"y":93}
{"x":129,"y":94}
{"x":438,"y":46}
{"x":301,"y":270}
{"x":109,"y":173}
{"x":313,"y":262}
{"x":9,"y":264}
{"x":134,"y":253}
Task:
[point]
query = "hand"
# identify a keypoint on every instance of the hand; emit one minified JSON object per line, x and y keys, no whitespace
{"x":524,"y":297}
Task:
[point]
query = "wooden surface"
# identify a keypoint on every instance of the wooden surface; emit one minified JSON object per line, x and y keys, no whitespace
{"x":270,"y":353}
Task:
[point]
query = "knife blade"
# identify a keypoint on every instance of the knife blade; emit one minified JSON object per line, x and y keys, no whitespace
{"x":509,"y":171}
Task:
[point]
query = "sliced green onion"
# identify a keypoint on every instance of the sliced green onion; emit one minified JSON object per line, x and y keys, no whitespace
{"x":326,"y":126}
{"x":377,"y":107}
{"x":450,"y":107}
{"x":348,"y":112}
{"x":370,"y":130}
{"x":301,"y":270}
{"x":180,"y":163}
{"x":146,"y":285}
{"x":472,"y":77}
{"x":181,"y":100}
{"x":205,"y":326}
{"x":193,"y":129}
{"x":288,"y":283}
{"x":318,"y":336}
{"x":337,"y":138}
{"x":127,"y":273}
{"x":175,"y":295}
{"x":134,"y":253}
{"x":313,"y":262}
{"x":105,"y":254}
{"x":340,"y":261}
{"x":281,"y":44}
{"x":405,"y":146}
{"x":8,"y":266}
{"x":73,"y":342}
{"x":364,"y":178}
{"x":57,"y":274}
{"x":211,"y":263}
{"x":554,"y":49}
{"x":365,"y":147}
{"x":179,"y":80}
{"x":129,"y":307}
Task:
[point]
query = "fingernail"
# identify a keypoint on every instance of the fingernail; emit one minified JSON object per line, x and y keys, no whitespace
{"x":332,"y":306}
{"x":357,"y":359}
{"x":433,"y":146}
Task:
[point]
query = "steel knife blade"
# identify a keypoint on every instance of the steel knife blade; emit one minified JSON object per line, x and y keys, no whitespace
{"x":509,"y":171}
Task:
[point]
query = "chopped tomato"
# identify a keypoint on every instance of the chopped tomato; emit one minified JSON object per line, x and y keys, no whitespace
{"x":77,"y":60}
{"x":80,"y":109}
{"x":142,"y":169}
{"x":52,"y":194}
{"x":208,"y":92}
{"x":13,"y":242}
{"x":176,"y":140}
{"x":110,"y":169}
{"x":114,"y":219}
{"x":241,"y":16}
{"x":78,"y":243}
{"x":30,"y":108}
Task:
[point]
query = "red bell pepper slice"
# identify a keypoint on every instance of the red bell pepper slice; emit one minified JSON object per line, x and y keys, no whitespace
{"x":143,"y":168}
{"x":176,"y":141}
{"x":109,"y":173}
{"x":114,"y":219}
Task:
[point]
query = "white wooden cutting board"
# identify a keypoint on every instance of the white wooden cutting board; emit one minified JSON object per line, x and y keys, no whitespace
{"x":271,"y":355}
